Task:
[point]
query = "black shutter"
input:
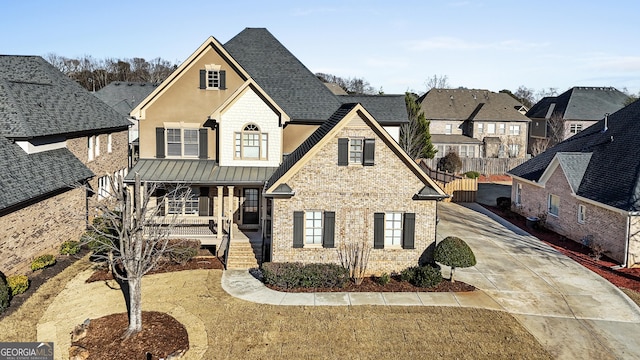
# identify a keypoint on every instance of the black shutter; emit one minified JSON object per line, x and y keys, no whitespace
{"x":328,"y":229}
{"x":203,"y":202}
{"x":378,"y":231}
{"x":298,"y":229}
{"x":160,"y":143}
{"x":343,"y":152}
{"x":408,"y":231}
{"x":223,"y":80}
{"x":369,"y":152}
{"x":203,"y":79}
{"x":204,"y":145}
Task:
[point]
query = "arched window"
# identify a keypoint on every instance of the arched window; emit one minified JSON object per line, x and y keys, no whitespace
{"x":250,"y":143}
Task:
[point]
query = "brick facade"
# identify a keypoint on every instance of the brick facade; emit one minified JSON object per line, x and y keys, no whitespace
{"x":355,"y":193}
{"x":607,"y":227}
{"x":61,"y":217}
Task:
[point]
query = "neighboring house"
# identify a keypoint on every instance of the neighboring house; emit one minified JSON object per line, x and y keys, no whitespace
{"x":229,"y":118}
{"x":124,"y":97}
{"x":336,"y":89}
{"x":572,"y":111}
{"x":493,"y":119}
{"x":388,"y":110}
{"x":588,"y":186}
{"x":54,"y":136}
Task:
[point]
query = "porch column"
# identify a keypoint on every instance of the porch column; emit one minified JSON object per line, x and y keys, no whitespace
{"x":230,"y":210}
{"x":219,"y":201}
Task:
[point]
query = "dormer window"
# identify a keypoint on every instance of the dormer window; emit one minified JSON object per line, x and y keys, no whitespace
{"x":251,"y":143}
{"x":212,"y":78}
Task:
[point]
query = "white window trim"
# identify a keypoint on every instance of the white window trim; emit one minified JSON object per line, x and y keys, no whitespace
{"x":491,"y":128}
{"x":582,"y":214}
{"x":549,"y":205}
{"x":480,"y":128}
{"x":502,"y":128}
{"x":518,"y":194}
{"x":97,"y":149}
{"x":182,"y":127}
{"x":91,"y":146}
{"x":109,"y":143}
{"x":321,"y":228}
{"x":448,"y":129}
{"x":514,"y":129}
{"x":263,"y":143}
{"x":212,"y":68}
{"x":360,"y":159}
{"x":194,"y":193}
{"x":388,"y":244}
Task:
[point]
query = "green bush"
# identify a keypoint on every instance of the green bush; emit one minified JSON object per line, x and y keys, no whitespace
{"x":42,"y":262}
{"x":5,"y":293}
{"x":384,"y":279}
{"x":292,"y":275}
{"x":454,"y":252}
{"x":69,"y":247}
{"x":96,"y":242}
{"x":472,"y":174}
{"x":422,"y":276}
{"x":18,"y":284}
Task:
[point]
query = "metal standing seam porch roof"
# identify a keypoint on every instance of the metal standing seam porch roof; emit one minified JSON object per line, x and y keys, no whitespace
{"x":202,"y":172}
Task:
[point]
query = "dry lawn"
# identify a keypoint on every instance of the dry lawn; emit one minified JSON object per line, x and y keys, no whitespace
{"x":633,"y":295}
{"x":237,"y":329}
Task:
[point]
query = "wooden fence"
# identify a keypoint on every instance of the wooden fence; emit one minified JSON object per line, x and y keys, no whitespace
{"x":486,"y":166}
{"x":461,"y":189}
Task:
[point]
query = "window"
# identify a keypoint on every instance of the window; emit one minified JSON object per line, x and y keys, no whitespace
{"x":514,"y":129}
{"x":480,"y":128}
{"x":393,"y":229}
{"x":250,"y":143}
{"x":514,"y":150}
{"x":109,"y":142}
{"x":575,"y":128}
{"x":448,"y":129}
{"x":466,"y":151}
{"x":183,"y":202}
{"x":491,"y":128}
{"x":97,"y":145}
{"x":177,"y":147}
{"x":355,"y":151}
{"x":313,"y":227}
{"x":212,"y":77}
{"x":582,"y":213}
{"x":554,"y":204}
{"x":501,"y":128}
{"x":90,"y":146}
{"x":440,"y":152}
{"x":104,"y":187}
{"x":518,"y":194}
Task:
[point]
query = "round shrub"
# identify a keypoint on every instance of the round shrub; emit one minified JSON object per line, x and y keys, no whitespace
{"x":5,"y":293}
{"x":42,"y":262}
{"x":454,"y":252}
{"x":472,"y":174}
{"x":422,"y":276}
{"x":450,"y":163}
{"x":69,"y":247}
{"x":18,"y":284}
{"x":384,"y":279}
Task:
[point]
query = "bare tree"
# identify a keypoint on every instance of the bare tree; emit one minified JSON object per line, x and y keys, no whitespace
{"x":129,"y":240}
{"x":525,"y":95}
{"x":437,"y":82}
{"x":538,"y":146}
{"x":556,"y":129}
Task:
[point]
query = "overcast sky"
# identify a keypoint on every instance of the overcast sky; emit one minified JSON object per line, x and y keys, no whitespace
{"x":395,"y":45}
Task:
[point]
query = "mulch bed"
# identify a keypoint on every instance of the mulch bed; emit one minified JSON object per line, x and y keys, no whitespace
{"x":199,"y":262}
{"x":161,"y":336}
{"x":493,"y":178}
{"x":622,"y":278}
{"x":370,"y":284}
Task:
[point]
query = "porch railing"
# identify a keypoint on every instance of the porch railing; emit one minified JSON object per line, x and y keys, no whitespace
{"x":185,"y":226}
{"x":222,"y":252}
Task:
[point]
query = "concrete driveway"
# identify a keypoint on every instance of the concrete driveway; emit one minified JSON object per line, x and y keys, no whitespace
{"x":573,"y":312}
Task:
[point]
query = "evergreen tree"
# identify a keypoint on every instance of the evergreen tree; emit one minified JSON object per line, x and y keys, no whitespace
{"x":415,"y":137}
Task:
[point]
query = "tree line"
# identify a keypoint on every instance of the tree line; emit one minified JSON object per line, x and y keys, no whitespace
{"x":94,"y":74}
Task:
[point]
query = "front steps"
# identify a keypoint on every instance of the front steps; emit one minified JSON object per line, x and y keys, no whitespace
{"x":245,"y":249}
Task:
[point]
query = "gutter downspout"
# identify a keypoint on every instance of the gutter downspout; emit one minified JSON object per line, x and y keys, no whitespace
{"x":626,"y":245}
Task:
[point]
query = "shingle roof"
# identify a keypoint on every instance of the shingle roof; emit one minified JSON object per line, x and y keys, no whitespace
{"x":291,"y":85}
{"x":470,"y":104}
{"x":581,"y":103}
{"x":386,"y":109}
{"x":612,"y":176}
{"x":309,"y":143}
{"x":574,"y":165}
{"x":204,"y":172}
{"x":27,"y":176}
{"x":38,"y":100}
{"x":125,"y":96}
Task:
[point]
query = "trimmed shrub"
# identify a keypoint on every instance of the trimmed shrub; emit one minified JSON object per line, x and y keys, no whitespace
{"x":292,"y":275}
{"x":472,"y":174}
{"x":384,"y":279}
{"x":181,"y":251}
{"x":69,"y":247}
{"x":18,"y":284}
{"x":450,"y":163}
{"x":42,"y":262}
{"x":96,"y":242}
{"x":422,"y":276}
{"x":5,"y":293}
{"x":454,"y":252}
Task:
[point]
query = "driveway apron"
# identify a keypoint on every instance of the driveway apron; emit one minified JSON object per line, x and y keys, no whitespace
{"x":572,"y":311}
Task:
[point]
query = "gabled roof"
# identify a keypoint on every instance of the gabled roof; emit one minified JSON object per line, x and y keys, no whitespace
{"x":38,"y":100}
{"x":125,"y":96}
{"x":282,"y":76}
{"x":580,"y":103}
{"x":28,"y":176}
{"x":386,"y":109}
{"x":324,"y":134}
{"x":470,"y":104}
{"x":612,"y":176}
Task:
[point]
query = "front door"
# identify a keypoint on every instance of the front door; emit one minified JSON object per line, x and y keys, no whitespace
{"x":250,"y":207}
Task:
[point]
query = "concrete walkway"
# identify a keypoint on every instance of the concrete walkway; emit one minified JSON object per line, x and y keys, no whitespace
{"x":573,"y":312}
